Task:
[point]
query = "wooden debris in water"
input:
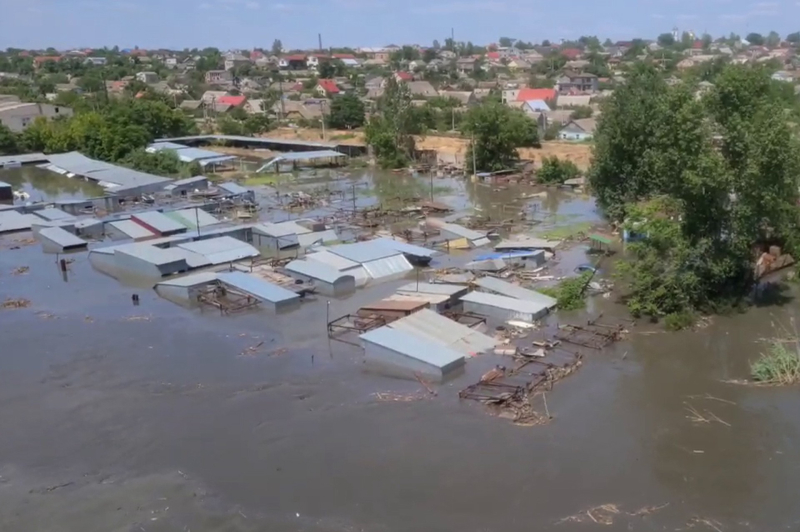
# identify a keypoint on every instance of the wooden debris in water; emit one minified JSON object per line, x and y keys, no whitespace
{"x":710,"y":523}
{"x":22,"y":270}
{"x":16,"y":303}
{"x":46,"y":315}
{"x":88,"y":319}
{"x":605,"y":514}
{"x":707,"y":417}
{"x":399,"y":397}
{"x":252,"y":350}
{"x":139,"y":318}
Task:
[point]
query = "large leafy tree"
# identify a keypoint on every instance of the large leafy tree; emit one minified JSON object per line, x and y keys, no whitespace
{"x":497,"y":131}
{"x":347,"y":112}
{"x":9,"y":144}
{"x":389,"y":131}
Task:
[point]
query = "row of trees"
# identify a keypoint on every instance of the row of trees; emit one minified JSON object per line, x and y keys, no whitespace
{"x":496,"y":130}
{"x":704,"y":181}
{"x":114,"y":132}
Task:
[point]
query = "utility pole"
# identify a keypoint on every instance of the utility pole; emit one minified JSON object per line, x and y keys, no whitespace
{"x":474,"y":163}
{"x":319,"y":36}
{"x":322,"y":109}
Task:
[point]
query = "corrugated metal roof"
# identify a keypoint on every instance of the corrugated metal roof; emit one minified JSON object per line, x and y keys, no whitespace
{"x":189,"y":155}
{"x":196,"y":279}
{"x":27,"y":158}
{"x":233,"y":189}
{"x":504,"y":302}
{"x":188,"y":181}
{"x":159,"y":222}
{"x":413,"y":346}
{"x":491,"y":265}
{"x":257,"y":287}
{"x":363,"y":252}
{"x":308,"y":239}
{"x":432,"y":299}
{"x":457,"y":230}
{"x":315,"y":270}
{"x":254,"y":140}
{"x":511,"y":254}
{"x":221,"y":249}
{"x":408,"y":249}
{"x":281,"y":229}
{"x":52,"y":215}
{"x":131,"y":228}
{"x":158,"y":146}
{"x":193,"y":260}
{"x":436,"y":328}
{"x":324,"y":256}
{"x":63,"y":238}
{"x":194,"y":216}
{"x":517,"y":292}
{"x":527,"y":243}
{"x":433,"y":288}
{"x":301,"y":156}
{"x":404,"y":305}
{"x":14,"y":221}
{"x":388,"y":268}
{"x":151,"y":254}
{"x":109,"y":175}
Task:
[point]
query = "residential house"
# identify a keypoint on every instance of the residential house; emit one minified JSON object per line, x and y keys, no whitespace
{"x":403,"y":76}
{"x":214,"y":77}
{"x":314,"y":60}
{"x":116,"y":88}
{"x":377,"y":82}
{"x":17,"y":116}
{"x":571,"y":53}
{"x":577,"y":65}
{"x":446,"y":55}
{"x":190,"y":63}
{"x":466,"y":65}
{"x":235,"y":61}
{"x":517,"y":64}
{"x":327,"y":88}
{"x":577,"y":82}
{"x":292,"y":62}
{"x":526,"y":94}
{"x":293,"y":110}
{"x":535,"y":106}
{"x":376,"y":54}
{"x":417,"y":65}
{"x":96,"y":61}
{"x":255,"y":107}
{"x":531,"y":56}
{"x":147,"y":77}
{"x":171,"y":62}
{"x":233,"y":101}
{"x":464,"y":98}
{"x":479,"y":94}
{"x":39,"y":61}
{"x":422,"y":88}
{"x":210,"y":97}
{"x":581,"y":129}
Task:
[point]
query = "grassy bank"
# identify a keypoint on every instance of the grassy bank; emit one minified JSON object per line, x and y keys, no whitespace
{"x":779,"y":365}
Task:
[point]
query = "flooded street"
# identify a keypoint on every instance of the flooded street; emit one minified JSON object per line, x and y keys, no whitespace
{"x":154,"y":417}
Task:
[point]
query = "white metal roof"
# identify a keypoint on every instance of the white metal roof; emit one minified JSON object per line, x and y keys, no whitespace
{"x":326,"y":257}
{"x":433,"y":288}
{"x":517,"y":292}
{"x":316,"y":270}
{"x":436,"y":328}
{"x":131,"y":229}
{"x":504,"y":302}
{"x":221,"y":249}
{"x":415,"y":347}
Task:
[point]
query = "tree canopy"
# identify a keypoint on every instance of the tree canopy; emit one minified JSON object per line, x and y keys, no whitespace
{"x":497,"y":131}
{"x":704,"y":180}
{"x":389,"y":131}
{"x":347,"y":112}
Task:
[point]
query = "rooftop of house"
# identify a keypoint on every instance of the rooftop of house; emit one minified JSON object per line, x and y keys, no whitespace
{"x":329,"y":86}
{"x":235,"y":101}
{"x":536,"y":94}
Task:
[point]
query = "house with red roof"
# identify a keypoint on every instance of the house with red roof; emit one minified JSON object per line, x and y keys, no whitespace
{"x":327,"y":88}
{"x":526,"y":95}
{"x":403,"y":76}
{"x":292,"y":62}
{"x":233,"y":101}
{"x":571,"y":53}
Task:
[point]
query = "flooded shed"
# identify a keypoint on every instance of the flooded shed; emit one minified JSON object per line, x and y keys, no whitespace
{"x":392,"y":310}
{"x":415,"y":254}
{"x":407,"y":354}
{"x":144,"y":260}
{"x":127,"y":230}
{"x":274,"y":297}
{"x":59,"y":240}
{"x":158,"y":223}
{"x":452,"y":291}
{"x":221,"y":250}
{"x":504,"y":288}
{"x":185,"y":289}
{"x":502,"y":307}
{"x":327,"y":280}
{"x":12,"y":221}
{"x":6,"y":193}
{"x":52,"y":214}
{"x":438,"y":329}
{"x":193,"y":218}
{"x":340,"y":264}
{"x":380,"y":262}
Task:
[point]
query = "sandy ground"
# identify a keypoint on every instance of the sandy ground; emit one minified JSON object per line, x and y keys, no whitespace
{"x":449,"y":148}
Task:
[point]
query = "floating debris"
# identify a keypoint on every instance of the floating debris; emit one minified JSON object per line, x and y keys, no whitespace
{"x":16,"y":303}
{"x":252,"y":350}
{"x":22,"y":270}
{"x":605,"y":514}
{"x":400,"y":398}
{"x":46,"y":315}
{"x":139,"y":318}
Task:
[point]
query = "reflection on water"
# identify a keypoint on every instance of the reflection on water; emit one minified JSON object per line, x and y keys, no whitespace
{"x":44,"y":185}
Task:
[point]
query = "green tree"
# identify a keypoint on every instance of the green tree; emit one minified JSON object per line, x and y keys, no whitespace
{"x":327,"y":70}
{"x":506,"y":42}
{"x":9,"y":144}
{"x":666,"y":40}
{"x":165,"y":162}
{"x":227,"y":125}
{"x":347,"y":112}
{"x":793,"y":38}
{"x":582,"y":111}
{"x":277,"y":47}
{"x":773,"y":39}
{"x":389,"y":131}
{"x":755,"y":39}
{"x":556,"y":171}
{"x":497,"y":131}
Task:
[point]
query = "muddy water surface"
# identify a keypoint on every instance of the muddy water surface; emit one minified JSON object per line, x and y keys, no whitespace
{"x":153,"y":417}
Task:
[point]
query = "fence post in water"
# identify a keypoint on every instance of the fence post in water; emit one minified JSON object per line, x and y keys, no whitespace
{"x":63,"y":264}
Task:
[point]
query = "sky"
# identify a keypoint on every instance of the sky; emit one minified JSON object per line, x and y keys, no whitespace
{"x":231,"y":24}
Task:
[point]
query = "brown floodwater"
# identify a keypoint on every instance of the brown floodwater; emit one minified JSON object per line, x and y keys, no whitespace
{"x":153,"y":417}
